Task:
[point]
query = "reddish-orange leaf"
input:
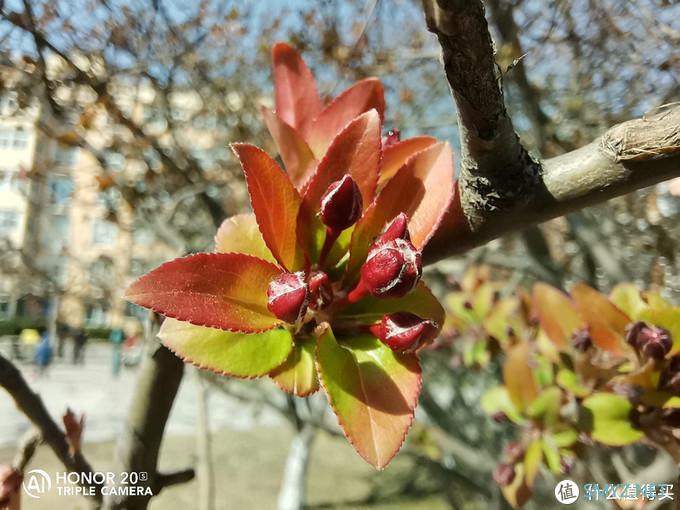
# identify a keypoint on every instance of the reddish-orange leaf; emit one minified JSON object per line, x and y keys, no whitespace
{"x":394,"y":156}
{"x":355,"y":151}
{"x":360,"y":98}
{"x":294,"y":151}
{"x":557,"y":314}
{"x":297,"y":101}
{"x":422,"y":189}
{"x":220,"y":290}
{"x":606,"y":321}
{"x":275,"y":202}
{"x":518,"y":375}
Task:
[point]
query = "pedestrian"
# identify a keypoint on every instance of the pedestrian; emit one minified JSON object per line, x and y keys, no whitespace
{"x":116,"y":337}
{"x":43,"y":352}
{"x":79,"y":342}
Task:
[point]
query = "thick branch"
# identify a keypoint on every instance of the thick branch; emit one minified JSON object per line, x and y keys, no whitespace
{"x":139,"y":445}
{"x":33,"y":407}
{"x":500,"y":187}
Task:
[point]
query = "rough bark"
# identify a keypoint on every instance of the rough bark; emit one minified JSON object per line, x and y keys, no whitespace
{"x":501,"y":188}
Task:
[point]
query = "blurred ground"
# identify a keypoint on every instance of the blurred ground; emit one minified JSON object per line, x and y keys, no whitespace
{"x":249,"y":445}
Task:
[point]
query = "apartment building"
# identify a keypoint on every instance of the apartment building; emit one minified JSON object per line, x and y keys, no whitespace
{"x":65,"y":243}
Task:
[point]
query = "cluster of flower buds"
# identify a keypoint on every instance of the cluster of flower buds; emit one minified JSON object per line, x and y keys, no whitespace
{"x":394,"y":266}
{"x":653,"y":341}
{"x":341,"y":204}
{"x":581,"y":340}
{"x":290,"y":294}
{"x":504,"y":474}
{"x":10,"y":481}
{"x":404,"y":331}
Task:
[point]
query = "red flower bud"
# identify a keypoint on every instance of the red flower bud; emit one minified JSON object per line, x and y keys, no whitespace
{"x":396,"y":229}
{"x":287,"y":296}
{"x":392,"y":269}
{"x":499,"y":417}
{"x":392,"y":137}
{"x":320,"y":290}
{"x":341,"y":204}
{"x":581,"y":340}
{"x":504,"y":474}
{"x":513,"y":452}
{"x":653,"y":341}
{"x":405,"y":331}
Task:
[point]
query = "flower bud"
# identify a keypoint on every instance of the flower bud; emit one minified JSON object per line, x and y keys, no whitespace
{"x":513,"y":452}
{"x":581,"y":340}
{"x":320,"y":290}
{"x":392,"y":269}
{"x":341,"y":204}
{"x":288,"y":296}
{"x":499,"y":417}
{"x":406,"y":332}
{"x":653,"y":341}
{"x":396,"y":229}
{"x":504,"y":474}
{"x":392,"y":137}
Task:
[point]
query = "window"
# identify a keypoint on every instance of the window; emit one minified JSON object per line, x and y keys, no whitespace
{"x":65,"y":155}
{"x":8,"y":103}
{"x":6,"y":137}
{"x":9,"y":220}
{"x":60,"y":189}
{"x":21,"y":137}
{"x":104,"y":232}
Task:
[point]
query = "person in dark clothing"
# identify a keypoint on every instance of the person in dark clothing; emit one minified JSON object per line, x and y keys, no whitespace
{"x":79,"y":342}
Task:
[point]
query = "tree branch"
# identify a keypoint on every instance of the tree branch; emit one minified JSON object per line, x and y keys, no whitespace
{"x":139,"y":445}
{"x":501,"y":188}
{"x":33,"y":407}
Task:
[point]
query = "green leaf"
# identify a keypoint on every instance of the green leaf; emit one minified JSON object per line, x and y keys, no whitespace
{"x":240,"y":234}
{"x":297,"y":375}
{"x":569,"y":380}
{"x":373,"y":392}
{"x":629,"y":299}
{"x":564,"y":438}
{"x":224,"y":352}
{"x":532,"y":461}
{"x":498,"y":399}
{"x":420,"y":302}
{"x":546,"y":406}
{"x":608,"y":419}
{"x":552,"y":457}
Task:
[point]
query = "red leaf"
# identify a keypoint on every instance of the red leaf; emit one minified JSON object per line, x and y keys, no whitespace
{"x":275,"y":202}
{"x":74,"y":430}
{"x":297,"y":101}
{"x":220,"y":290}
{"x":607,"y":323}
{"x":556,"y":313}
{"x":355,"y":151}
{"x":360,"y":98}
{"x":518,"y":375}
{"x":394,"y":156}
{"x":294,"y":151}
{"x":422,"y":189}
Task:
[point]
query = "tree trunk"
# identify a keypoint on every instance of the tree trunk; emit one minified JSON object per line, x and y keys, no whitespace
{"x":292,"y":493}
